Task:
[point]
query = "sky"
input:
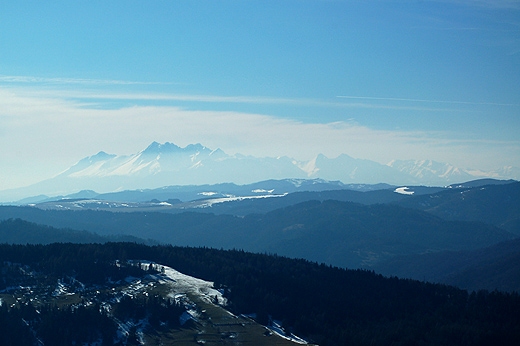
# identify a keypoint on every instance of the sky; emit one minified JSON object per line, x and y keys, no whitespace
{"x":373,"y":79}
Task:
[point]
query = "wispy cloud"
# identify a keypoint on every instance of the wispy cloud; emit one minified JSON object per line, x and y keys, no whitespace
{"x":428,"y":101}
{"x":83,"y":81}
{"x":301,"y":102}
{"x":490,"y":4}
{"x":94,"y":98}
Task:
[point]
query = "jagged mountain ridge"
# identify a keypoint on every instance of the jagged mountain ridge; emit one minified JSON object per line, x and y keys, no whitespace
{"x":171,"y":164}
{"x":428,"y":170}
{"x":160,"y":158}
{"x":167,"y":164}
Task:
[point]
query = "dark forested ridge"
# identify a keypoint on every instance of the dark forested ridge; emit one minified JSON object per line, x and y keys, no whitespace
{"x":17,"y":231}
{"x":340,"y":233}
{"x":328,"y":305}
{"x":497,"y":205}
{"x":494,"y":267}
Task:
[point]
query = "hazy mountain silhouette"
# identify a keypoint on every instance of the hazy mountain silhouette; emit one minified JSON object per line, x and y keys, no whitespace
{"x":167,"y":164}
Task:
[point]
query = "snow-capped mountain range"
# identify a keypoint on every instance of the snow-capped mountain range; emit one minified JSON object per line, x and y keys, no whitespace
{"x":168,"y":164}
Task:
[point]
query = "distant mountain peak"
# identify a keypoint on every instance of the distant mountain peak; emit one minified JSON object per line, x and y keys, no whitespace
{"x":100,"y":156}
{"x":195,"y":147}
{"x":429,"y":171}
{"x":218,"y":154}
{"x":156,"y":148}
{"x":89,"y":161}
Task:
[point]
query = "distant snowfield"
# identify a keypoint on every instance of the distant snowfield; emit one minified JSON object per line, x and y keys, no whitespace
{"x":210,"y":202}
{"x":99,"y":204}
{"x":403,"y":191}
{"x":207,"y":193}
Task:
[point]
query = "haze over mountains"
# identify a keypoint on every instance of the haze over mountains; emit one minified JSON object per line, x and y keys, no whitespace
{"x":168,"y":164}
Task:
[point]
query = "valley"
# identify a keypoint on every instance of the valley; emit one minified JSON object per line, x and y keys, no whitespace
{"x":289,"y":251}
{"x":349,"y":226}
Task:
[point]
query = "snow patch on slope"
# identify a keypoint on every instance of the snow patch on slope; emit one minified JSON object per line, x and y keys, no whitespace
{"x":403,"y":191}
{"x":210,"y":202}
{"x":183,"y":284}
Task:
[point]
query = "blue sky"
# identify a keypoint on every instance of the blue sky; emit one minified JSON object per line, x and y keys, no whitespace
{"x":379,"y":80}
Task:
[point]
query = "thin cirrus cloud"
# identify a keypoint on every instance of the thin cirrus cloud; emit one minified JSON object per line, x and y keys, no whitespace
{"x":84,"y":81}
{"x":489,"y":4}
{"x":428,"y":101}
{"x":136,"y":96}
{"x":258,"y":100}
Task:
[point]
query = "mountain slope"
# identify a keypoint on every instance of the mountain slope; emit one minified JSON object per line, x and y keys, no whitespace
{"x":17,"y":231}
{"x":430,"y":172}
{"x":65,"y":294}
{"x":124,"y":293}
{"x":494,"y":204}
{"x":492,"y":268}
{"x":352,"y":235}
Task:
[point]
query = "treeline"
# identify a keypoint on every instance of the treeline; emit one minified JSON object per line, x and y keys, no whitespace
{"x":328,"y":305}
{"x":34,"y":267}
{"x":88,"y":263}
{"x":79,"y":324}
{"x":18,"y":231}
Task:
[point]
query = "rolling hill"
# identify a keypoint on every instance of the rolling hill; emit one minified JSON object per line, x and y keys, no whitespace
{"x":345,"y":234}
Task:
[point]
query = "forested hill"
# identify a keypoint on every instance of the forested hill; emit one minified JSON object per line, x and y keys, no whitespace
{"x":498,"y":204}
{"x":493,"y":267}
{"x":327,"y":305}
{"x":17,"y":231}
{"x":343,"y":234}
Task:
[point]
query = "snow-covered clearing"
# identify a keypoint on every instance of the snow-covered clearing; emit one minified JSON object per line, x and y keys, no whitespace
{"x":183,"y":287}
{"x":182,"y":284}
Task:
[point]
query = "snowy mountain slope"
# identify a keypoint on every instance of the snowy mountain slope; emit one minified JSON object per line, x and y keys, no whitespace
{"x":431,"y":172}
{"x":167,"y":164}
{"x":350,"y":170}
{"x":195,"y":164}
